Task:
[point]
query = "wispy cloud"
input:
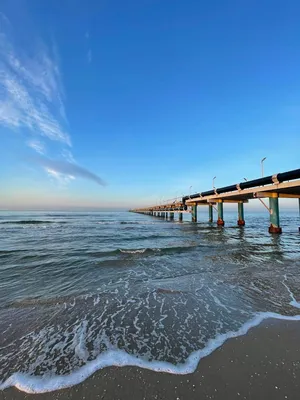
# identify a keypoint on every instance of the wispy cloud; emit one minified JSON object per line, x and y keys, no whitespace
{"x":61,"y":178}
{"x":69,"y":170}
{"x":89,"y":53}
{"x":89,"y":56}
{"x":32,"y":100}
{"x":31,"y":93}
{"x":37,"y":145}
{"x":67,"y":155}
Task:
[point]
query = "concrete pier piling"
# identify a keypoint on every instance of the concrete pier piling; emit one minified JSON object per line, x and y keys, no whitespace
{"x":210,"y":213}
{"x":171,"y":215}
{"x":194,"y":213}
{"x":180,"y":217}
{"x":274,"y":215}
{"x":241,"y":220}
{"x":220,"y":221}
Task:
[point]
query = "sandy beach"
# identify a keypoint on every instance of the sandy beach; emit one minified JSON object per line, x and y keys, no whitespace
{"x":264,"y":364}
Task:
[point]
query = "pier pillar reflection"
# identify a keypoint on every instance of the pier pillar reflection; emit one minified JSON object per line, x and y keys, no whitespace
{"x":274,"y":215}
{"x":241,"y":221}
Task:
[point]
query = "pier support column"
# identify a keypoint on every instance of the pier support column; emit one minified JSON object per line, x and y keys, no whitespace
{"x":166,"y":215}
{"x":299,"y":212}
{"x":210,"y":213}
{"x":274,"y":216}
{"x":171,"y":215}
{"x":220,"y":221}
{"x":180,"y":217}
{"x":241,"y":221}
{"x":194,"y":213}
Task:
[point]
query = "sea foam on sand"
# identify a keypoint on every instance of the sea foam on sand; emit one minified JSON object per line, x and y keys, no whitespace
{"x":34,"y":384}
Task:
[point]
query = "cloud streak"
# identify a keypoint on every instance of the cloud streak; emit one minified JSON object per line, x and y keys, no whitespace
{"x":31,"y":90}
{"x":89,"y":52}
{"x":57,"y":168}
{"x":37,"y":146}
{"x":89,"y":56}
{"x":32,"y":101}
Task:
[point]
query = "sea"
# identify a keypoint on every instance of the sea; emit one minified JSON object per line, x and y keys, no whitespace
{"x":81,"y":291}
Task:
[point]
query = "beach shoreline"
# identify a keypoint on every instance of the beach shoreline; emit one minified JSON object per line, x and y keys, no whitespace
{"x":263,"y":364}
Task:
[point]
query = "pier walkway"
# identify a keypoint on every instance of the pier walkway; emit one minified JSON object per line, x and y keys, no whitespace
{"x":273,"y":187}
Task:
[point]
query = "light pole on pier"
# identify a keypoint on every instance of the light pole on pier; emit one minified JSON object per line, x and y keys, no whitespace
{"x":262,"y":166}
{"x":190,"y":190}
{"x":214,"y":182}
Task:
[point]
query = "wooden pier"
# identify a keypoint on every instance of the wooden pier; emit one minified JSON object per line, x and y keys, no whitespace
{"x":273,"y":187}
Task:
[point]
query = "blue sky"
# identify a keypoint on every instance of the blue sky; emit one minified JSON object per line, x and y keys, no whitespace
{"x":122,"y":103}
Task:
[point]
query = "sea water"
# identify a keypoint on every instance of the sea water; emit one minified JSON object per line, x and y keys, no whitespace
{"x":83,"y":291}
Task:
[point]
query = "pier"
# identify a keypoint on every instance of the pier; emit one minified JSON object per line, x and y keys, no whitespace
{"x":271,"y":188}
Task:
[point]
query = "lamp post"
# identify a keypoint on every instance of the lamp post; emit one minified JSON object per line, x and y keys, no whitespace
{"x":262,"y":166}
{"x":213,"y":185}
{"x":190,"y":190}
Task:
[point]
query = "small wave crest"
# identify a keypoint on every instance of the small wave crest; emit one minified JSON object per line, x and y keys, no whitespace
{"x":142,"y":251}
{"x":125,"y":223}
{"x":137,"y":251}
{"x":30,"y":222}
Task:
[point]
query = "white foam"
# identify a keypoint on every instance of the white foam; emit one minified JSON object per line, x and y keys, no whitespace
{"x":80,"y":348}
{"x":293,"y":302}
{"x":133,"y":251}
{"x":35,"y":384}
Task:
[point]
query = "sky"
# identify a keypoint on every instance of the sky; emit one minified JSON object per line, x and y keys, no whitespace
{"x":115,"y":104}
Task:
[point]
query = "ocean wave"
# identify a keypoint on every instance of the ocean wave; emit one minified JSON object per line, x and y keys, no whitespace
{"x":106,"y":222}
{"x":125,"y":223}
{"x":137,"y":251}
{"x":142,"y":251}
{"x":119,"y":358}
{"x":161,"y":250}
{"x":32,"y":222}
{"x":137,"y":223}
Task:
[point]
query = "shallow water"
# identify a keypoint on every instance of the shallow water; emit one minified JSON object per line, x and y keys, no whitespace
{"x":80,"y":291}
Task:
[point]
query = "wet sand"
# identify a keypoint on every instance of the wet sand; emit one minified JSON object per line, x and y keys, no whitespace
{"x":264,"y":364}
